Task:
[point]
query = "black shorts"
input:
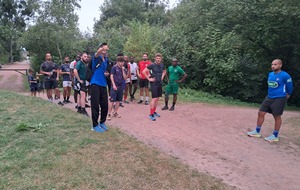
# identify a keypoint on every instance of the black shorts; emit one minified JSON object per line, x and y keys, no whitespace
{"x":156,"y":91}
{"x":116,"y":95}
{"x":144,"y":83}
{"x":33,"y":87}
{"x":80,"y":87}
{"x":274,"y":106}
{"x":134,"y":81}
{"x":51,"y":84}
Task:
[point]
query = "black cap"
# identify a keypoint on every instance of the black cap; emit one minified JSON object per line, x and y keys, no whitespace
{"x":120,"y":54}
{"x":102,"y":44}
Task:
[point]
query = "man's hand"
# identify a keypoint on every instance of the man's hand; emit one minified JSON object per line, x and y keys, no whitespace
{"x":151,"y":79}
{"x":114,"y":87}
{"x":106,"y":73}
{"x":287,"y":96}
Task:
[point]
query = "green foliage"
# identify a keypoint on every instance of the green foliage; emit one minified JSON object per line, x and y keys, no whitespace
{"x":13,"y":17}
{"x":142,"y":38}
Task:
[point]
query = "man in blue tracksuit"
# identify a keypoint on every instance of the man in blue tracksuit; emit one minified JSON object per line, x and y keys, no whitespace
{"x":98,"y":88}
{"x":280,"y":87}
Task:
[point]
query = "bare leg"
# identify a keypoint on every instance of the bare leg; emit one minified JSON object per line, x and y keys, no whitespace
{"x":278,"y":122}
{"x":174,"y":98}
{"x":260,"y":118}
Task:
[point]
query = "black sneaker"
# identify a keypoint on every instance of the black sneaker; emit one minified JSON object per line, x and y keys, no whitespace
{"x":76,"y":107}
{"x":126,"y":102}
{"x":146,"y":103}
{"x":141,"y":101}
{"x":79,"y":110}
{"x":60,"y":103}
{"x":121,"y":105}
{"x":172,"y":108}
{"x":165,"y":108}
{"x":84,"y":112}
{"x":87,"y":106}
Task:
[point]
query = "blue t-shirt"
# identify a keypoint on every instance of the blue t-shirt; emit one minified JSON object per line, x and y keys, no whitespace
{"x":98,"y":77}
{"x":66,"y":68}
{"x":118,"y":76}
{"x":279,"y":84}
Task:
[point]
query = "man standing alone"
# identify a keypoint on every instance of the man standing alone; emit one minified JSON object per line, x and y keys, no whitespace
{"x":280,"y":87}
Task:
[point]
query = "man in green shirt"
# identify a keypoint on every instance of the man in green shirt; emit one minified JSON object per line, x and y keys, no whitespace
{"x":174,"y":72}
{"x":80,"y":74}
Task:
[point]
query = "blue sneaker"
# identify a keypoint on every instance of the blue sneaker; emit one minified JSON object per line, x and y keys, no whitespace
{"x":97,"y":129}
{"x":156,"y":114}
{"x":254,"y":133}
{"x":151,"y":117}
{"x":103,"y":126}
{"x":272,"y":138}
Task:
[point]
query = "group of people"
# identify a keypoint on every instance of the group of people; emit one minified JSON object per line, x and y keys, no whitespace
{"x":124,"y":76}
{"x":110,"y":84}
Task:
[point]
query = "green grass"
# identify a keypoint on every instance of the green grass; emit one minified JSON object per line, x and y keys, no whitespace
{"x":45,"y":146}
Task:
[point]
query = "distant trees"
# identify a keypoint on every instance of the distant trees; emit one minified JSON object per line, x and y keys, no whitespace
{"x":13,"y":17}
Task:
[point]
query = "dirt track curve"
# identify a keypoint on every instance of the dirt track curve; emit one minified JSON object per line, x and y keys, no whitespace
{"x":212,"y":139}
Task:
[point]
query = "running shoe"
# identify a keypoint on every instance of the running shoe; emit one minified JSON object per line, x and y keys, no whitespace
{"x":146,"y":103}
{"x":84,"y":112}
{"x":141,"y":101}
{"x":254,"y":133}
{"x":172,"y":108}
{"x":156,"y":114}
{"x":117,"y":115}
{"x":60,"y":103}
{"x":272,"y":138}
{"x":165,"y":108}
{"x":103,"y":126}
{"x":97,"y":129}
{"x":152,"y":118}
{"x":121,"y":105}
{"x":126,"y":102}
{"x":108,"y":117}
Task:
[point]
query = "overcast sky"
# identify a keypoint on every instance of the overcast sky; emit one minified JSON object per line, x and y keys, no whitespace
{"x":90,"y":11}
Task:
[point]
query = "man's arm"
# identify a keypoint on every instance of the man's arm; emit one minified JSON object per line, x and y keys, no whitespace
{"x":145,"y":71}
{"x":183,"y":78}
{"x":289,"y":86}
{"x":100,"y":50}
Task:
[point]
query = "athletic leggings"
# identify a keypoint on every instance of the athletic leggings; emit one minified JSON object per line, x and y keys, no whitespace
{"x":99,"y":97}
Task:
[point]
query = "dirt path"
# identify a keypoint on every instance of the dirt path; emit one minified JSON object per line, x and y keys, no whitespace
{"x":213,"y":139}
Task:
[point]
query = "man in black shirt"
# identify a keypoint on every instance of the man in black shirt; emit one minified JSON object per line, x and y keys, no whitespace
{"x":51,"y":75}
{"x":156,"y":75}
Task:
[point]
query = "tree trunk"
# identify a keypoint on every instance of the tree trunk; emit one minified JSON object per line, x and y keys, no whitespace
{"x":11,"y":58}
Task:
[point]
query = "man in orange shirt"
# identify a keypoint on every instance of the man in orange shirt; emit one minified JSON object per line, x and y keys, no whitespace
{"x":144,"y":83}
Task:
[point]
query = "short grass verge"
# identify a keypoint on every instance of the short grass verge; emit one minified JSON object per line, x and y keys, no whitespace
{"x":44,"y":146}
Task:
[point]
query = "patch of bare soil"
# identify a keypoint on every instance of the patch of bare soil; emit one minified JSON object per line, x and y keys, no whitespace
{"x":213,"y":139}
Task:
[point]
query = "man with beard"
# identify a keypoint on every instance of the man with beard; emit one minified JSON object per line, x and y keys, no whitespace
{"x":80,"y":74}
{"x":144,"y":83}
{"x":67,"y":79}
{"x":51,"y":75}
{"x":280,"y":87}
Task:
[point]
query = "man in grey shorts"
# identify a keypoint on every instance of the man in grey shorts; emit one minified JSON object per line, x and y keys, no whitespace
{"x":280,"y":87}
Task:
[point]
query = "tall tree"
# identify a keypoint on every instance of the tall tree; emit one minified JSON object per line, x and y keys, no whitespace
{"x":13,"y":17}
